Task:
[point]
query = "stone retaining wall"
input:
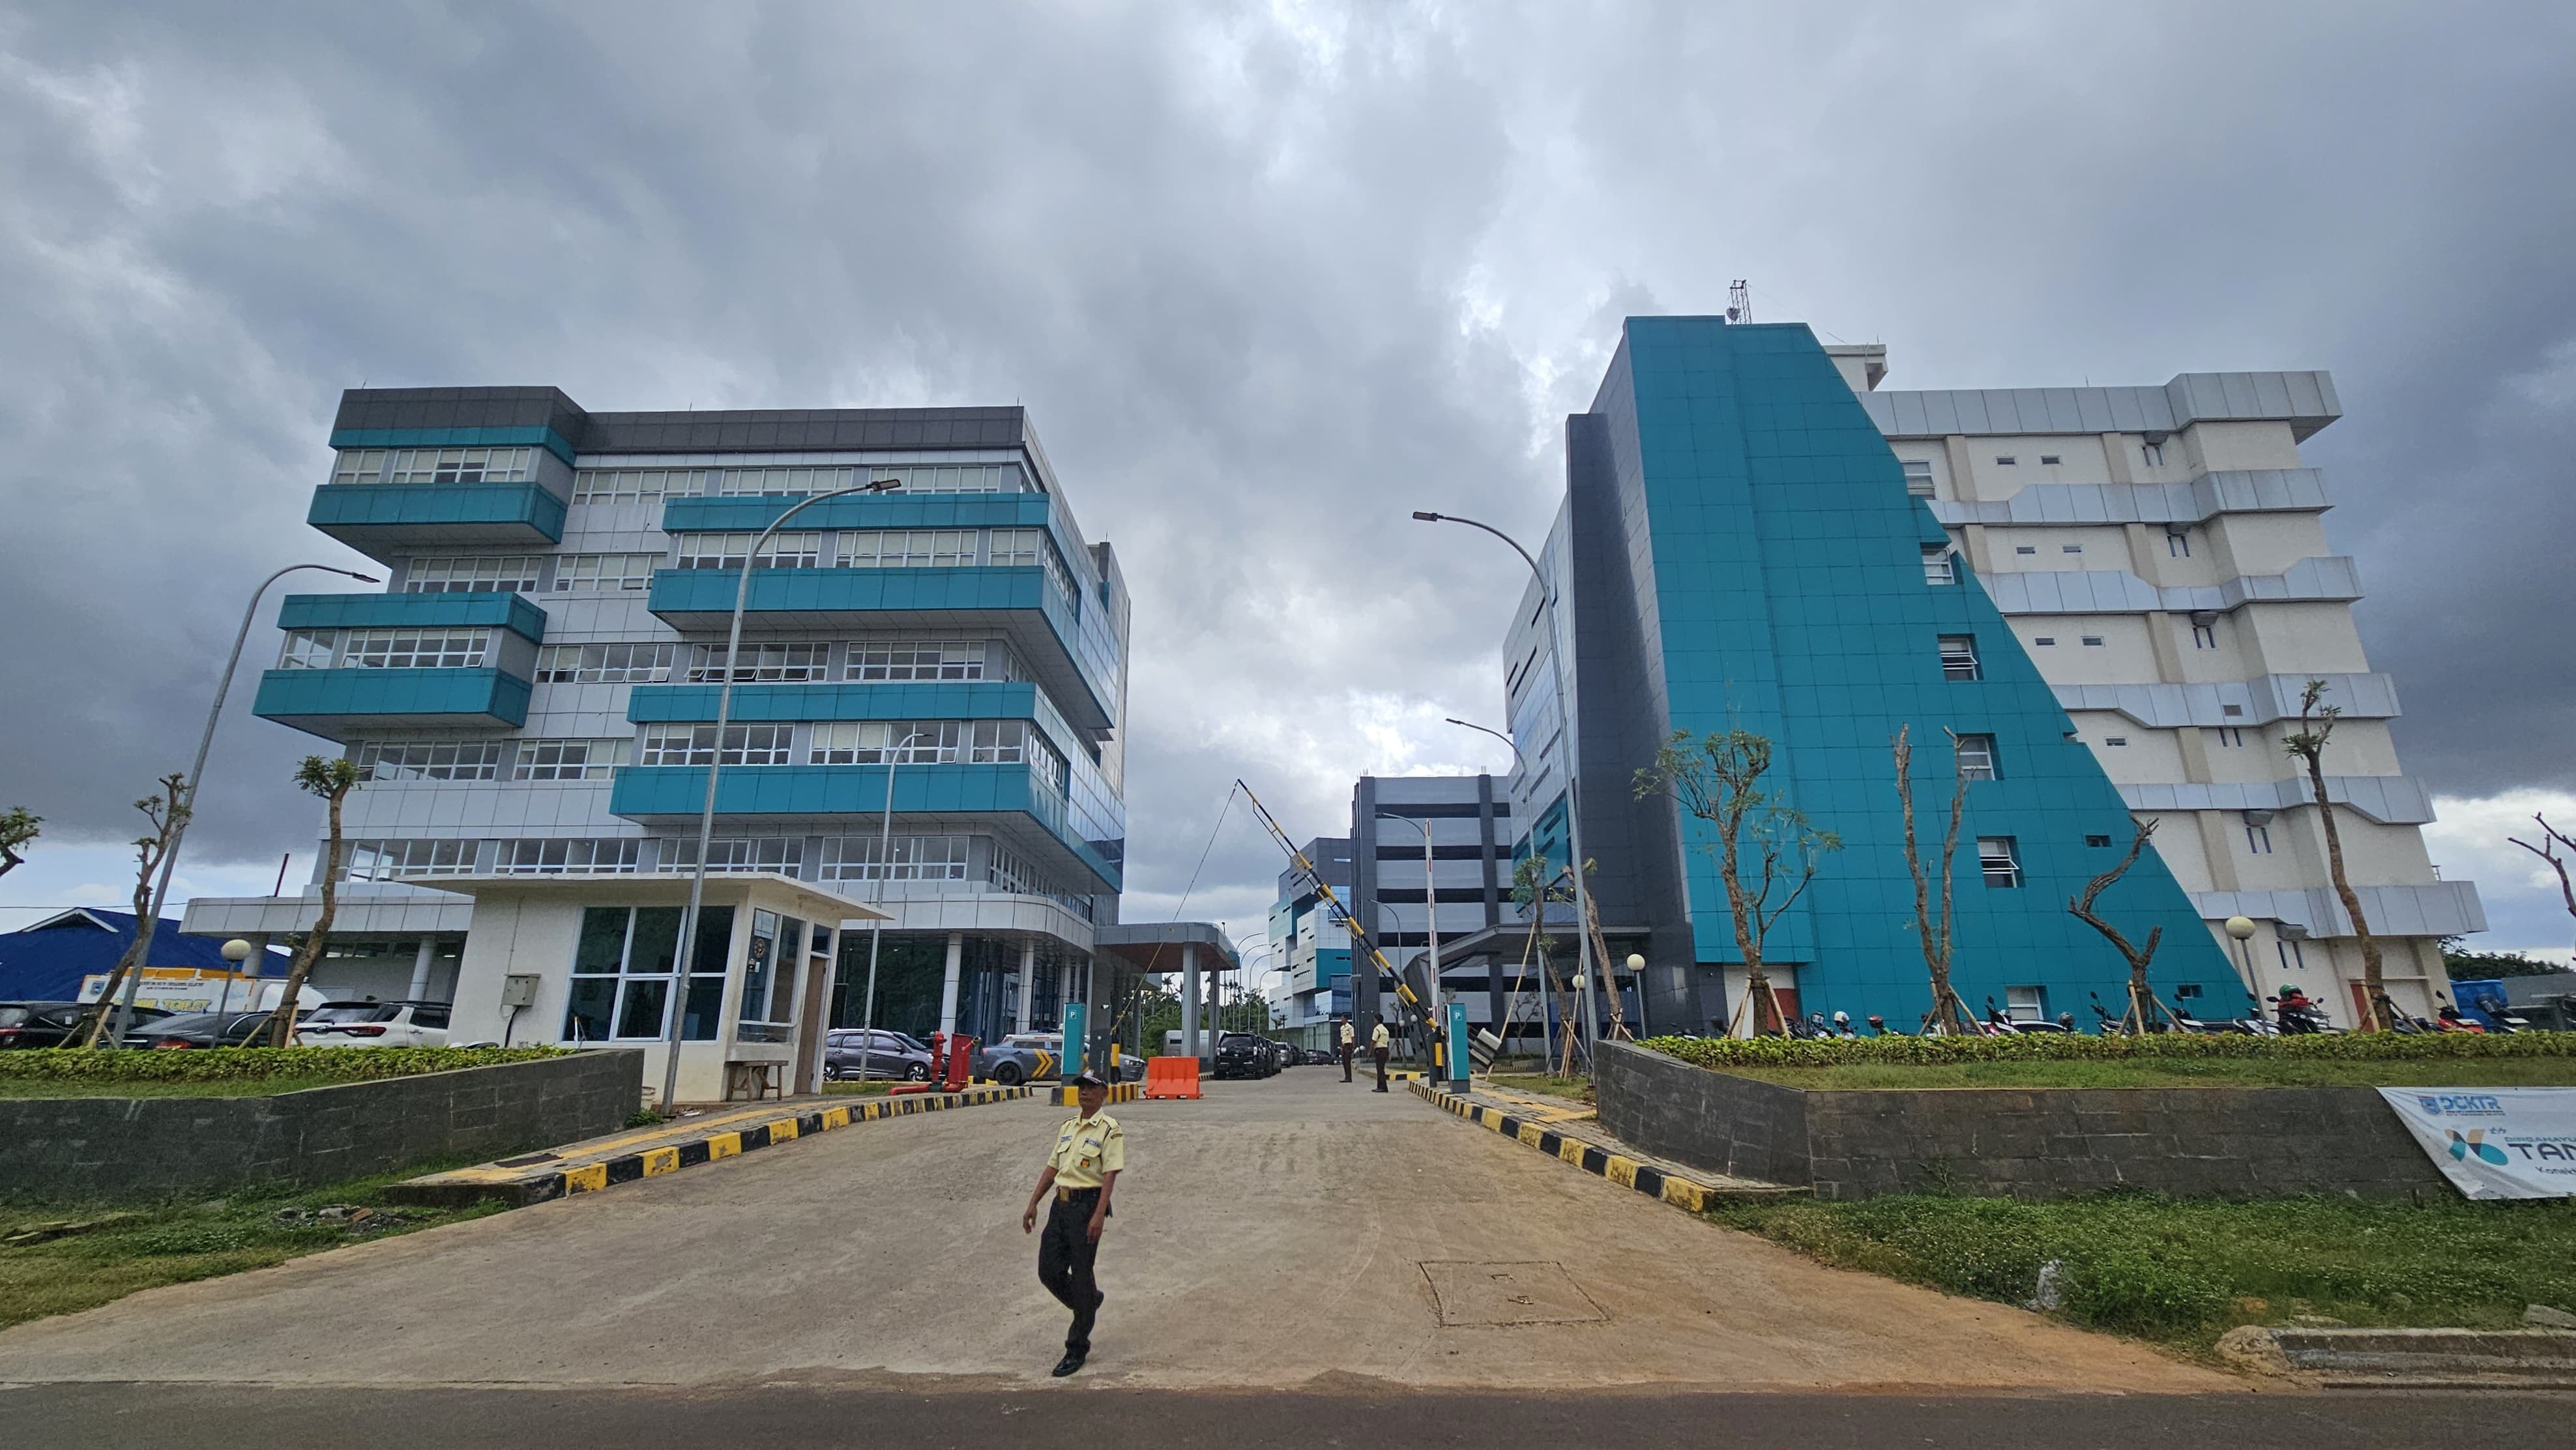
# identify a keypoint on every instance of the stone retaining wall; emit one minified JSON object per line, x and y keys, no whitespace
{"x":69,"y":1149}
{"x":2015,"y":1142}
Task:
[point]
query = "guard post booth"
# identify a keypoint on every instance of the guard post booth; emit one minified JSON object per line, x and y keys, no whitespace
{"x":591,"y":961}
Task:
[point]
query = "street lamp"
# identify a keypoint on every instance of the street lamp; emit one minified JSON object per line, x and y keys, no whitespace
{"x":2242,"y":929}
{"x":1430,"y":928}
{"x":1565,"y":749}
{"x":179,"y":829}
{"x":715,"y":763}
{"x":885,"y":873}
{"x":236,"y":951}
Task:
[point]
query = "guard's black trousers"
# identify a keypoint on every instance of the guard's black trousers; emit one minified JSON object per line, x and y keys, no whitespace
{"x":1346,"y":1062}
{"x":1065,"y":1256}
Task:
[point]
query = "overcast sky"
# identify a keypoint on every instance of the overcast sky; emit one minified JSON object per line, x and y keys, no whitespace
{"x":1268,"y":278}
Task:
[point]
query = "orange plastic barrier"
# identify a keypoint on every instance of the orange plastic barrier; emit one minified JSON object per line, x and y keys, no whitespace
{"x":1171,"y":1077}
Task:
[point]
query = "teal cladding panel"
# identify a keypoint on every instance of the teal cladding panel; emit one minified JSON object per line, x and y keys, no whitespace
{"x":524,"y":510}
{"x":1791,"y":600}
{"x":497,"y":609}
{"x":862,"y":511}
{"x":328,"y":702}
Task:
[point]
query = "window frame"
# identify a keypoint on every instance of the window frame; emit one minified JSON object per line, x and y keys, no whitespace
{"x":1955,"y":649}
{"x":2006,"y":851}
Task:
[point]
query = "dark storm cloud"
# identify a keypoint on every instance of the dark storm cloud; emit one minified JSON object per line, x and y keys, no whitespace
{"x":1267,"y":279}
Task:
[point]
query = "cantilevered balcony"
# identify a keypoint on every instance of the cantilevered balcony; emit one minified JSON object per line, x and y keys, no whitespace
{"x":384,"y":520}
{"x":369,"y":663}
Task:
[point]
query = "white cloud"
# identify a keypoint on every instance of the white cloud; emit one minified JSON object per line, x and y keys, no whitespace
{"x":2472,"y":841}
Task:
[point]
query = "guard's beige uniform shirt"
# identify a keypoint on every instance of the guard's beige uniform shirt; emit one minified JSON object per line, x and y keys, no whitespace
{"x":1347,"y":1034}
{"x":1086,"y":1148}
{"x":1378,"y":1036}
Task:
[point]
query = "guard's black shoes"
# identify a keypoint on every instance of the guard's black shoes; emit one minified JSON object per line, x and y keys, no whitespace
{"x":1067,"y":1365}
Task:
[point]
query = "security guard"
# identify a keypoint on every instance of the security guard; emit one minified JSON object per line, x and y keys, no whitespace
{"x":1379,"y":1041}
{"x":1346,"y":1040}
{"x":1090,"y":1152}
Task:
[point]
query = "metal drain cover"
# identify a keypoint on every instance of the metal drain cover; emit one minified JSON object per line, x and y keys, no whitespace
{"x":1473,"y":1295}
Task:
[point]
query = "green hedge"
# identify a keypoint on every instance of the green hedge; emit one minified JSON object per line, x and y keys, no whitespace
{"x":1724,"y":1052}
{"x":331,"y":1064}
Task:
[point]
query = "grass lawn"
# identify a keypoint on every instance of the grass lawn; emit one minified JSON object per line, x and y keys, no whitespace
{"x":2183,"y":1072}
{"x":1577,"y":1088}
{"x":2183,"y":1272}
{"x":854,"y":1089}
{"x":249,"y":1087}
{"x":148,"y":1246}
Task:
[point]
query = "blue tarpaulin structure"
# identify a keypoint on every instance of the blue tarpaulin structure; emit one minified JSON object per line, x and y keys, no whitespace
{"x":45,"y":962}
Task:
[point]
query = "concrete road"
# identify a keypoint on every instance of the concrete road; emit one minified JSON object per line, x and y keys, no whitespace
{"x":1279,"y":1235}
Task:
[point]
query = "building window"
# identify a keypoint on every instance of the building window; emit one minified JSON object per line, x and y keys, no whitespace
{"x":900,"y":858}
{"x":921,"y":660}
{"x":1959,"y":657}
{"x":696,"y":745}
{"x":2045,"y":639}
{"x":2026,"y":1004}
{"x":2204,"y":636}
{"x":472,"y":574}
{"x":414,"y":649}
{"x":790,"y":482}
{"x":2258,"y":839}
{"x":606,"y":664}
{"x":767,"y":662}
{"x":1977,"y":757}
{"x":2006,"y":460}
{"x":800,"y":550}
{"x":1936,"y":565}
{"x":570,"y":759}
{"x":2094,"y":640}
{"x":2097,"y":841}
{"x":309,"y":649}
{"x":2293,"y":959}
{"x":2231,"y":709}
{"x":604,"y":573}
{"x":906,"y":549}
{"x":435,"y":465}
{"x":2177,"y":544}
{"x":387,"y":760}
{"x":2070,"y":548}
{"x":2048,"y":460}
{"x":1017,"y":547}
{"x":870,"y":742}
{"x":1918,"y":476}
{"x":1999,"y":861}
{"x":636,"y":485}
{"x":2115,"y":740}
{"x":2186,"y":991}
{"x":953,"y":478}
{"x":2231,"y":737}
{"x":2025,"y":548}
{"x":569,"y":858}
{"x":2153,"y":453}
{"x":626,"y":959}
{"x":784,"y":855}
{"x":392,"y":860}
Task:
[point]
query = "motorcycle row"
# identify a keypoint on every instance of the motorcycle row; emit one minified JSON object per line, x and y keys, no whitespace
{"x":2293,"y":1014}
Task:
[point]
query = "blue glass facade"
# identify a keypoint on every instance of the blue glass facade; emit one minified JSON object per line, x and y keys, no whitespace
{"x":1743,"y":551}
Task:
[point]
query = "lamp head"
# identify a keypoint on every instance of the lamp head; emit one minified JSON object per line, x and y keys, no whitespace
{"x":1636,"y":961}
{"x":884,"y":485}
{"x":1426,"y":516}
{"x":2240,"y":927}
{"x":236,"y":951}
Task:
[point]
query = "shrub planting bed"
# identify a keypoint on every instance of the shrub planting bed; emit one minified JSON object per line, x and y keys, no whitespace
{"x":1735,"y":1052}
{"x":242,"y":1071}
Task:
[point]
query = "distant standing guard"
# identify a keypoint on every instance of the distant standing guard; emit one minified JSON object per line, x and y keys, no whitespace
{"x":1379,"y":1041}
{"x":1348,"y":1045}
{"x":1090,"y":1153}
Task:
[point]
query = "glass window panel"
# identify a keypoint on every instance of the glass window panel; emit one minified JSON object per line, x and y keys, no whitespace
{"x":640,"y":1004}
{"x":657,"y":941}
{"x":603,"y":942}
{"x":586,"y":1019}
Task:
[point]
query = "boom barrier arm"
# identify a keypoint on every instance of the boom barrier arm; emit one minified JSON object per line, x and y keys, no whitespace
{"x":1415,"y":1009}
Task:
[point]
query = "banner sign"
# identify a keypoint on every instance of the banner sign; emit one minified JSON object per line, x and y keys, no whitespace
{"x":2495,"y":1142}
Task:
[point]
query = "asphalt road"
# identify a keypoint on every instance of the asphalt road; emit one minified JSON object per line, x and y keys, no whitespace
{"x":198,"y":1417}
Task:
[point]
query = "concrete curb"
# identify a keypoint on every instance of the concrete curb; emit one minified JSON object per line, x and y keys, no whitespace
{"x":2415,"y":1359}
{"x":518,"y":1183}
{"x":1654,"y":1182}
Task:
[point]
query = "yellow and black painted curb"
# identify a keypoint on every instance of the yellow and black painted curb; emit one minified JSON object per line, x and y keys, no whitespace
{"x":1119,"y":1092}
{"x":1646,"y":1178}
{"x":518,"y":1182}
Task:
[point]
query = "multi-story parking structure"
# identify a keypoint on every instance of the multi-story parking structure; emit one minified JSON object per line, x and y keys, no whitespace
{"x":534,"y":693}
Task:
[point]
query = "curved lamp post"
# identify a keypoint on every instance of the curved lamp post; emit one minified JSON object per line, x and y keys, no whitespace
{"x":678,"y":1006}
{"x":1430,"y":930}
{"x":1565,"y":750}
{"x":205,"y":742}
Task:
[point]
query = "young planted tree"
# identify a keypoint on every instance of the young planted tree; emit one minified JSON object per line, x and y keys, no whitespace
{"x":1948,"y":1013}
{"x":2316,"y":727}
{"x":2551,"y":840}
{"x":332,"y":780}
{"x":2143,"y":1006}
{"x":1766,"y":851}
{"x":1530,"y":885}
{"x":18,"y":827}
{"x":167,"y":810}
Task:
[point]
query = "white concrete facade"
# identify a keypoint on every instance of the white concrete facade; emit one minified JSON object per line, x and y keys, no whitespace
{"x":2161,"y":554}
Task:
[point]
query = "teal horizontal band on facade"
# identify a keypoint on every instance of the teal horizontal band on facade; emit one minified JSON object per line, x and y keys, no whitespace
{"x":533,"y":434}
{"x":499,"y":610}
{"x":332,"y":703}
{"x":868,"y":511}
{"x":361,"y":514}
{"x":1013,"y":598}
{"x":669,"y":792}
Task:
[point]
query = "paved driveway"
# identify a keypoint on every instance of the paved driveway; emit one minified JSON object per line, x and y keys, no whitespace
{"x":1277,"y":1234}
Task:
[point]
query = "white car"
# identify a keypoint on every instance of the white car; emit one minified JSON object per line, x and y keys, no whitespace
{"x":374,"y":1024}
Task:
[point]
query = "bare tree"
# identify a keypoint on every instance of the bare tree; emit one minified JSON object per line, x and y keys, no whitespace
{"x":1719,"y":780}
{"x":1948,"y":1013}
{"x":1601,"y":953}
{"x":2316,"y":727}
{"x":18,"y":826}
{"x":332,"y":780}
{"x":2143,"y":1006}
{"x":167,"y":810}
{"x":1529,"y":885}
{"x":2551,"y":839}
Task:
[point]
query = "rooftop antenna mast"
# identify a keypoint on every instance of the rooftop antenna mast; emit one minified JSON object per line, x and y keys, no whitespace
{"x":1739,"y":301}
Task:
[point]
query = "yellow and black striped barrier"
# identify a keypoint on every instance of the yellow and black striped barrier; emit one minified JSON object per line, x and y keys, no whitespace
{"x":1592,"y":1158}
{"x":1119,"y":1092}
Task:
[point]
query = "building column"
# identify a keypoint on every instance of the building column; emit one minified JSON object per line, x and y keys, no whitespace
{"x":948,"y":984}
{"x":420,"y":964}
{"x":1028,"y":980}
{"x":1190,"y":999}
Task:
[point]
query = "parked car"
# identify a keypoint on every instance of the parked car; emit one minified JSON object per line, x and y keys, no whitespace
{"x":890,"y":1055}
{"x":1018,"y":1058}
{"x":198,"y":1030}
{"x":374,"y":1024}
{"x":51,"y":1024}
{"x":1320,"y":1057}
{"x":1242,"y":1055}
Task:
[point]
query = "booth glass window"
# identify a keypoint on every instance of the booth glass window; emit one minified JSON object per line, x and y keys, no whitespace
{"x":622,"y":971}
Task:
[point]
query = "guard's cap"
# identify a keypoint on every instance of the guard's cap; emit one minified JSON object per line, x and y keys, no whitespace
{"x":1089,"y":1079}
